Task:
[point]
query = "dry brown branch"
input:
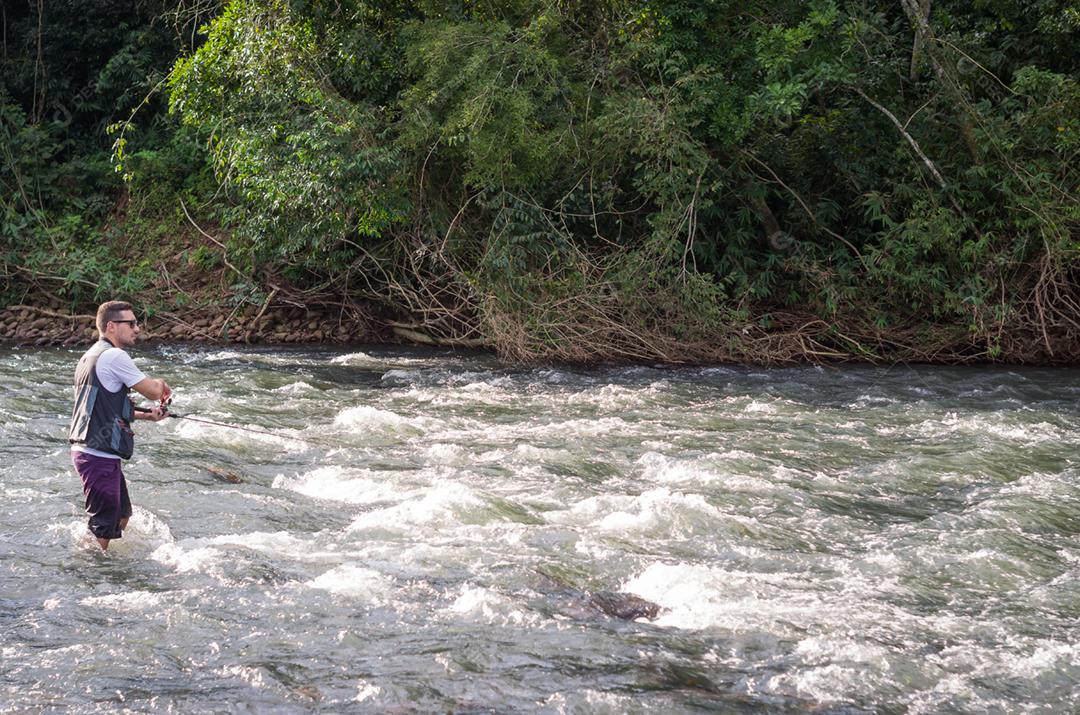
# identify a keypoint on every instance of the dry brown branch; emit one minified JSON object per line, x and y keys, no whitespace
{"x":52,"y":313}
{"x":254,"y":325}
{"x":224,"y":250}
{"x":910,"y":139}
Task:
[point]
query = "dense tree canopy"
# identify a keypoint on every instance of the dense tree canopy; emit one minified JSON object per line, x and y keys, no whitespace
{"x":680,"y":180}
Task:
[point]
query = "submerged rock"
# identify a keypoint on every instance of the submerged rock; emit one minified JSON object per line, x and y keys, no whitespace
{"x":225,"y":475}
{"x":624,"y":605}
{"x":580,"y":603}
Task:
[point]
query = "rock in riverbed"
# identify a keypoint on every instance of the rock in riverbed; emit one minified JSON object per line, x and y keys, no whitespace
{"x":626,"y":606}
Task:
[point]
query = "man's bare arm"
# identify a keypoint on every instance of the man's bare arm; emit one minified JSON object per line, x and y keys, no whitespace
{"x":153,"y":388}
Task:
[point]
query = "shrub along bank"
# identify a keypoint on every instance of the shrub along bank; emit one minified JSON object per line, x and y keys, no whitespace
{"x":682,"y":181}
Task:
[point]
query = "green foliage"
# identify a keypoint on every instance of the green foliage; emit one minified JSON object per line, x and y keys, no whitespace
{"x":69,"y":223}
{"x":306,"y":164}
{"x":623,"y":169}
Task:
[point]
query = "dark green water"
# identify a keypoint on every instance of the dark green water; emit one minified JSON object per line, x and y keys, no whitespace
{"x":858,"y":540}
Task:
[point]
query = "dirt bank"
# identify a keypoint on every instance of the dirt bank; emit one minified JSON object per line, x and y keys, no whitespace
{"x":25,"y":325}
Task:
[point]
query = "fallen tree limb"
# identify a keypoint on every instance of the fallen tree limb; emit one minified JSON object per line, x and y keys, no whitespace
{"x":258,"y":318}
{"x":415,"y":336}
{"x":52,"y":313}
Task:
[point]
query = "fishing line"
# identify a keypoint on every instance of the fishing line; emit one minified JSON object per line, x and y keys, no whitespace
{"x":253,"y":430}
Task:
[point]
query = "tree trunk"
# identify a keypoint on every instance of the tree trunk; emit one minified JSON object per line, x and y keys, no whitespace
{"x":917,"y":47}
{"x":778,"y":239}
{"x":918,"y":11}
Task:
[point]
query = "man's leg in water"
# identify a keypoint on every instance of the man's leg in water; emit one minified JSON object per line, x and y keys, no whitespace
{"x":104,"y":488}
{"x":125,"y":503}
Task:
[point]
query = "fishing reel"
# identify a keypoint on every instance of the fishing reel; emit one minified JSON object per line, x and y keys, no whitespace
{"x":163,"y":404}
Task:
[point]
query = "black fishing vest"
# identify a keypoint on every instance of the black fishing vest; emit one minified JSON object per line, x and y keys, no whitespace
{"x":101,"y":419}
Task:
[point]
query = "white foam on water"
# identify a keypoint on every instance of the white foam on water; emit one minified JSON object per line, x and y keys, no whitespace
{"x":474,"y":394}
{"x":765,"y":408}
{"x":267,"y":679}
{"x":831,"y":682}
{"x":616,"y":397}
{"x":962,"y":671}
{"x":402,"y":376}
{"x":357,"y":582}
{"x":358,"y":358}
{"x":692,"y":596}
{"x":364,"y":419}
{"x":657,"y":467}
{"x":366,"y":690}
{"x":830,"y":647}
{"x":1048,"y":657}
{"x":445,"y":504}
{"x":697,"y":597}
{"x":870,"y":401}
{"x":200,"y":559}
{"x":714,"y":468}
{"x":294,"y":388}
{"x":554,"y":377}
{"x":1041,"y":485}
{"x":489,"y":385}
{"x":341,"y":484}
{"x":255,"y":677}
{"x":594,"y":702}
{"x":222,"y":355}
{"x":1032,"y":433}
{"x":448,"y":454}
{"x":145,"y":533}
{"x":133,"y":600}
{"x":147,"y":528}
{"x":15,"y":495}
{"x":956,"y":692}
{"x":492,"y":456}
{"x":410,"y":394}
{"x":485,"y":605}
{"x":984,"y":425}
{"x":76,"y":533}
{"x":209,"y":554}
{"x":570,"y":429}
{"x":385,"y":695}
{"x":654,"y":509}
{"x":278,"y":543}
{"x":528,"y":453}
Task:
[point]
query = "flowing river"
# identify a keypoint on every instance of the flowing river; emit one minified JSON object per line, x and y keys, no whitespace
{"x":425,"y":529}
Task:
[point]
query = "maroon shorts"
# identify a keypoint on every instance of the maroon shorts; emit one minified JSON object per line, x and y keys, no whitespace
{"x":106,"y":493}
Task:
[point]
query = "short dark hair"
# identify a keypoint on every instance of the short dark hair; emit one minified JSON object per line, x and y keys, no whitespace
{"x":111,"y":311}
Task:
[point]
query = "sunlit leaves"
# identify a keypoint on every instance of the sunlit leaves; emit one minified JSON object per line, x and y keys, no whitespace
{"x":305,"y":159}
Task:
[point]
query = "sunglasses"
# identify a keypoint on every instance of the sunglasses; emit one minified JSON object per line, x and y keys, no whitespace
{"x":132,"y":323}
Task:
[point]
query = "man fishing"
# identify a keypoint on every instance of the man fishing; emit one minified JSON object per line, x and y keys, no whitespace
{"x":100,"y":432}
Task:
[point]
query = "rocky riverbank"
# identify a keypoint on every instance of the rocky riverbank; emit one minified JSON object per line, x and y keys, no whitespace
{"x":25,"y":325}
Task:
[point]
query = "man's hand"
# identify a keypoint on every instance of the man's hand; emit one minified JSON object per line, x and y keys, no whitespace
{"x":154,"y":414}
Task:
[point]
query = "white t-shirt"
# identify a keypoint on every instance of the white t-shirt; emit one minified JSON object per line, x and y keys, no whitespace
{"x":115,"y":368}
